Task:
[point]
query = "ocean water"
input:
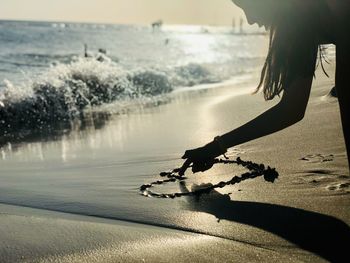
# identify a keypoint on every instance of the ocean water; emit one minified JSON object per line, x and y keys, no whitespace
{"x":47,"y":79}
{"x":184,"y":53}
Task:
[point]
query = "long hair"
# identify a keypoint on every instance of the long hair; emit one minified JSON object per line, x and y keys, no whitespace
{"x":292,"y":54}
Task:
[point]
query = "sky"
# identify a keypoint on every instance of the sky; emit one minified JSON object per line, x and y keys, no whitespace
{"x":207,"y":12}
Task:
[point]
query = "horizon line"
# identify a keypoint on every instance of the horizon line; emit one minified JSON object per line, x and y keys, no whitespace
{"x":105,"y":23}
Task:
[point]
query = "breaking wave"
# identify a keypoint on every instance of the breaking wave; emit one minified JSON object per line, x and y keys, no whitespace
{"x":65,"y":92}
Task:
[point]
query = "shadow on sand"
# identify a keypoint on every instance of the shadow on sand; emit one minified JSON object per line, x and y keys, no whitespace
{"x":320,"y":234}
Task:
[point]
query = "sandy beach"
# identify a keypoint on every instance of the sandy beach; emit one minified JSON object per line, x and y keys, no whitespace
{"x":75,"y":198}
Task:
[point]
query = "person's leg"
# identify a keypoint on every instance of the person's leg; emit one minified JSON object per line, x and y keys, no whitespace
{"x":343,"y":89}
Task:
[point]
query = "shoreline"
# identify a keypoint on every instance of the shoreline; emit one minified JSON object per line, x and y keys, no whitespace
{"x":299,"y":218}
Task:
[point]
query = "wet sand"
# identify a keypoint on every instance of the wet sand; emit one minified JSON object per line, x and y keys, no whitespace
{"x":75,"y":198}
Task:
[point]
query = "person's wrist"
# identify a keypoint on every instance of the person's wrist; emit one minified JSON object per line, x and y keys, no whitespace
{"x":220,"y":144}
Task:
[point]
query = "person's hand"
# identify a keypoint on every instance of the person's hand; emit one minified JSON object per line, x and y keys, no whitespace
{"x":202,"y":158}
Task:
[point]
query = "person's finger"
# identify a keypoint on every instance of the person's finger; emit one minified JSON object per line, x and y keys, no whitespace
{"x":198,"y":167}
{"x":184,"y":167}
{"x":185,"y":156}
{"x":188,"y":154}
{"x":202,"y":166}
{"x":195,"y":168}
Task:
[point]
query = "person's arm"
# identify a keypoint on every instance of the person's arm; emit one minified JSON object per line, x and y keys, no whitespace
{"x":287,"y":112}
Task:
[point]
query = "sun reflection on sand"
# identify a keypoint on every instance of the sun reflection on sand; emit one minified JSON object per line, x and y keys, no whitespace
{"x":115,"y":137}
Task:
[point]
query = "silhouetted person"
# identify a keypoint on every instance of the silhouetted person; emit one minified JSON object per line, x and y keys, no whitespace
{"x":85,"y":50}
{"x":102,"y":51}
{"x":297,"y":29}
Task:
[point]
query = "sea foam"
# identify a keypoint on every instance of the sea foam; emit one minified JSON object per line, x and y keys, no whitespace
{"x":64,"y":92}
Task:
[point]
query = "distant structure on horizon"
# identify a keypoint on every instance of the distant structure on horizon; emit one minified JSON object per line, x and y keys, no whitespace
{"x":241,"y":24}
{"x":243,"y":28}
{"x":157,"y":24}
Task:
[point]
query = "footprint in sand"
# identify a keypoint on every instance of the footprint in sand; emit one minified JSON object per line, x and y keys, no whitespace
{"x":324,"y":178}
{"x":328,"y":180}
{"x":339,"y":187}
{"x":318,"y":158}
